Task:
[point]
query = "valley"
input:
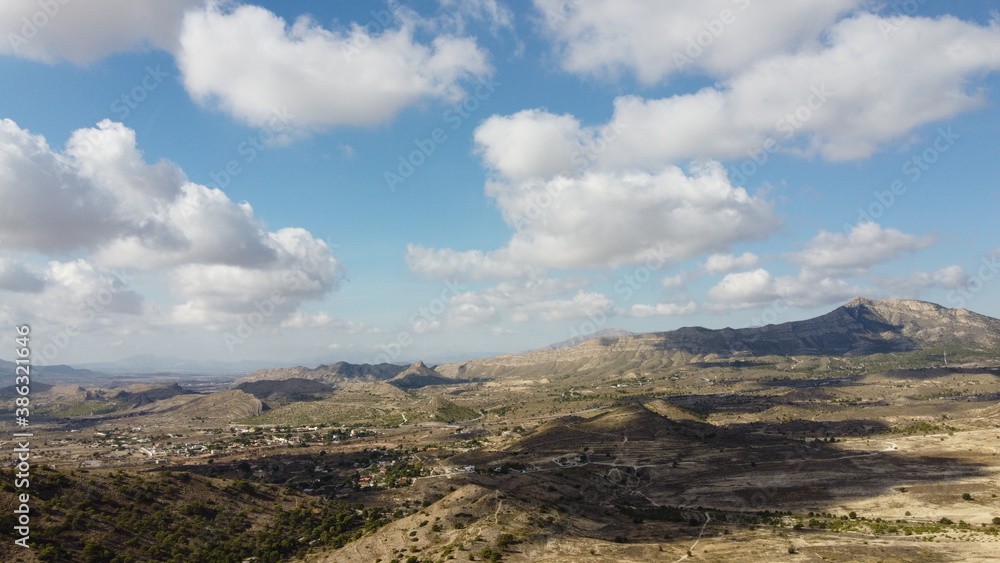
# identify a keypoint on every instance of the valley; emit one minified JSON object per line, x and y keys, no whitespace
{"x":873,"y":436}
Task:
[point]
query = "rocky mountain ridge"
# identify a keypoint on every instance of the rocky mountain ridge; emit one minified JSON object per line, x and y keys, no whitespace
{"x":861,"y":327}
{"x":332,"y":373}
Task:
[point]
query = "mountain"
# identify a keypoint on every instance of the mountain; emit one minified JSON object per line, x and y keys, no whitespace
{"x":139,"y":395}
{"x":296,"y":388}
{"x":577,"y":340}
{"x":419,"y":375}
{"x":53,"y":372}
{"x":860,"y":327}
{"x":333,"y":373}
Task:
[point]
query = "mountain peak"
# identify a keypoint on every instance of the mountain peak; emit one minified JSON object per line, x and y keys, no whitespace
{"x":862,"y":326}
{"x":419,"y":375}
{"x":858,"y":301}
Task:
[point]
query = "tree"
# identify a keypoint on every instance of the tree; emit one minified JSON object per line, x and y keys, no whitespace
{"x":504,"y":540}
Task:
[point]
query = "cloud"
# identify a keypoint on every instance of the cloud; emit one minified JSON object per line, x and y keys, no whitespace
{"x":37,"y":182}
{"x":582,"y":304}
{"x":949,"y":277}
{"x":855,"y":253}
{"x":220,"y":294}
{"x":301,"y":319}
{"x":460,"y":12}
{"x":675,"y":281}
{"x":841,"y":98}
{"x":464,"y":311}
{"x":664,"y":309}
{"x":18,"y":277}
{"x":529,"y":143}
{"x":83,"y":32}
{"x":251,"y":63}
{"x":654,"y":40}
{"x":469,"y":265}
{"x":122,"y":212}
{"x":108,"y":201}
{"x":757,"y":288}
{"x":724,"y":263}
{"x":545,"y":298}
{"x":65,"y":298}
{"x":609,"y":220}
{"x":827,"y":261}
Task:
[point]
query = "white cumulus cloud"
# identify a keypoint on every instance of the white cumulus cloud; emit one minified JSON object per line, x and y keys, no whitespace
{"x":843,"y":97}
{"x":121,"y":212}
{"x":83,"y":32}
{"x":654,"y":40}
{"x":605,"y":219}
{"x":855,"y":253}
{"x":725,"y":263}
{"x":251,"y":63}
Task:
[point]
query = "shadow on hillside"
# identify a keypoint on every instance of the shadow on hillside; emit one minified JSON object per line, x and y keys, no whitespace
{"x":806,"y":383}
{"x":733,"y":364}
{"x":749,"y":467}
{"x":934,"y":373}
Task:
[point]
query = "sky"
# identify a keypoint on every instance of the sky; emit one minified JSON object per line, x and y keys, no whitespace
{"x":390,"y":181}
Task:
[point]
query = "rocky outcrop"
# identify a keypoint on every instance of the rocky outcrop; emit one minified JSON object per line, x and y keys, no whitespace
{"x":419,"y":375}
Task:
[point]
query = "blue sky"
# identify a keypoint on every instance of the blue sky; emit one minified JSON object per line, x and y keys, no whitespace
{"x":373,"y":181}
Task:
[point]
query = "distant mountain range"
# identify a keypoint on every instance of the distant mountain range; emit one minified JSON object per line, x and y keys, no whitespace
{"x":862,"y":326}
{"x":8,"y":368}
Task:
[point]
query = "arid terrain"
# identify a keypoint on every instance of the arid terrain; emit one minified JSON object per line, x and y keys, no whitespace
{"x":869,"y":434}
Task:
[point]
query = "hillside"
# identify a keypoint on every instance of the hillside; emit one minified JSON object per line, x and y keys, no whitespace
{"x":419,"y":375}
{"x":860,"y":327}
{"x":332,"y":373}
{"x":865,"y":434}
{"x":292,"y":388}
